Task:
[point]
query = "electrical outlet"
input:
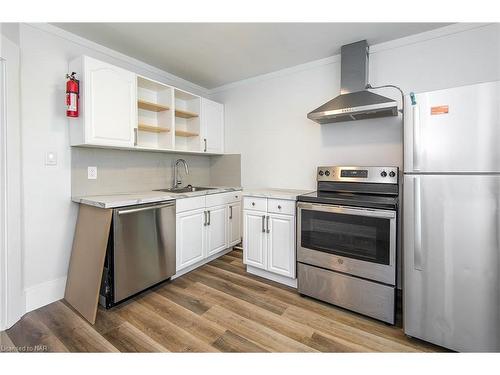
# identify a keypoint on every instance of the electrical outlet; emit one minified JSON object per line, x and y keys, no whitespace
{"x":92,"y":173}
{"x":51,"y":158}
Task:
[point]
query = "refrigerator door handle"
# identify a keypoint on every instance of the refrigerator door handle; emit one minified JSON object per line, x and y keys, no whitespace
{"x":417,"y":251}
{"x":416,"y":137}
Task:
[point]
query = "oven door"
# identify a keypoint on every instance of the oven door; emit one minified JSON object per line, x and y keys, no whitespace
{"x":356,"y":241}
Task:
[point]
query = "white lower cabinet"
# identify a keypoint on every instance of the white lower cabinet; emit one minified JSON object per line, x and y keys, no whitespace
{"x":216,"y":229}
{"x":281,"y":245}
{"x":269,"y":239}
{"x":190,"y":238}
{"x":108,"y":104}
{"x":206,"y":226}
{"x":234,"y":223}
{"x":254,"y":239}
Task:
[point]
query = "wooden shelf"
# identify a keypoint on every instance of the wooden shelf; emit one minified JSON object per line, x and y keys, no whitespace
{"x":149,"y":106}
{"x":183,"y":133}
{"x":185,"y":114}
{"x":152,"y":129}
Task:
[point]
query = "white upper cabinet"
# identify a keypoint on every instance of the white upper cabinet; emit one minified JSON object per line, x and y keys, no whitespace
{"x":108,"y":104}
{"x":212,"y":126}
{"x":118,"y":108}
{"x":121,"y":109}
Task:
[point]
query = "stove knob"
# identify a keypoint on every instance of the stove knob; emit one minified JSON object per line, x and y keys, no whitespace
{"x":321,"y":173}
{"x":327,"y":173}
{"x":392,"y":174}
{"x":383,"y":174}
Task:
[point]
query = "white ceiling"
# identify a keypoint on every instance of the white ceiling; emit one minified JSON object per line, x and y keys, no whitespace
{"x":214,"y":54}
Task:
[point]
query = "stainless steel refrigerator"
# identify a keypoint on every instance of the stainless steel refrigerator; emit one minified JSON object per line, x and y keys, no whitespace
{"x":451,"y":222}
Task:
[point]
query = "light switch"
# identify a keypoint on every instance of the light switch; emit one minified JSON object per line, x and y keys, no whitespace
{"x":51,"y":158}
{"x":92,"y":173}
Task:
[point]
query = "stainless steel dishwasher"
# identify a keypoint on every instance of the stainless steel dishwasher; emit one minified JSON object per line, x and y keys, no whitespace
{"x":141,"y":251}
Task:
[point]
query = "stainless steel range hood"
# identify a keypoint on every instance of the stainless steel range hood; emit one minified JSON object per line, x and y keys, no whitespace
{"x":354,"y":101}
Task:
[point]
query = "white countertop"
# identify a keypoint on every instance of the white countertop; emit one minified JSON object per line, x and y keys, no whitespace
{"x":289,"y":194}
{"x":141,"y":197}
{"x":129,"y":199}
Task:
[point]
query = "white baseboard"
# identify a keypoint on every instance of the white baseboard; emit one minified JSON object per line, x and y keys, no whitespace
{"x":201,"y":263}
{"x":272,"y":276}
{"x":45,"y":293}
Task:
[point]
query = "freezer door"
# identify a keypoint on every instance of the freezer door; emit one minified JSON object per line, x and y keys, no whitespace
{"x":454,"y":130}
{"x":451,"y":261}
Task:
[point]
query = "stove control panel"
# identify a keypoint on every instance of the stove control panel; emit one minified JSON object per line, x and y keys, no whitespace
{"x":379,"y":175}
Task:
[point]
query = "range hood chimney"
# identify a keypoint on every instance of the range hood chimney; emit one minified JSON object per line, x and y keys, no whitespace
{"x":354,"y":101}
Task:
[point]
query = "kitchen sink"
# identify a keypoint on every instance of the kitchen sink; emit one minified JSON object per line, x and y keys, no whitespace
{"x":187,"y":189}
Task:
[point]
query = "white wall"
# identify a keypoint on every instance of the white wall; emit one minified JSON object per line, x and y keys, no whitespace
{"x":266,"y":116}
{"x":11,"y":283}
{"x":49,"y":216}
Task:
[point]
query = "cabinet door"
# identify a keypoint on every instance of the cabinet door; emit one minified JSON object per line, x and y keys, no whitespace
{"x":234,"y":224}
{"x":110,"y":107}
{"x":281,"y":244}
{"x":190,"y":238}
{"x":212,"y":119}
{"x":254,"y":239}
{"x":216,"y":229}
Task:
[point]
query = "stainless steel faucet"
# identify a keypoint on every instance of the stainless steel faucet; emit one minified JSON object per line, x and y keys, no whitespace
{"x":177,"y":181}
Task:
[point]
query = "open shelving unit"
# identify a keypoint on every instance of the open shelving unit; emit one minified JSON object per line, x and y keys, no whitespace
{"x":167,"y":118}
{"x":155,"y":117}
{"x":187,"y":121}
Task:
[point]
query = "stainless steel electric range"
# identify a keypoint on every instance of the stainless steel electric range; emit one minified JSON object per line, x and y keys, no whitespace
{"x":347,"y":239}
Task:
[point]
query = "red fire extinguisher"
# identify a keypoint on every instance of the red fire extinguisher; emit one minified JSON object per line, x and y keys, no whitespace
{"x":72,"y":95}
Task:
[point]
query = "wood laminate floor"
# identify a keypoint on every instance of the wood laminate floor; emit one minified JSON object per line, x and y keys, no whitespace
{"x":215,"y":308}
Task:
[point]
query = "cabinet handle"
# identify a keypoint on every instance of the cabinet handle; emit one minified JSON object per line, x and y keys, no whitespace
{"x":253,"y":204}
{"x":208,"y":217}
{"x":267,"y":225}
{"x":135,"y":136}
{"x":263,"y":224}
{"x":205,"y":141}
{"x":279,"y":207}
{"x":205,"y":218}
{"x":230,"y":212}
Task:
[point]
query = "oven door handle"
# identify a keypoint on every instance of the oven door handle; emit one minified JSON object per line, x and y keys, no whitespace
{"x":387,"y":214}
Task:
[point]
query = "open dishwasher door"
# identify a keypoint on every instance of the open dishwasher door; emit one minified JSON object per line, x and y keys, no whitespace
{"x":144,"y":247}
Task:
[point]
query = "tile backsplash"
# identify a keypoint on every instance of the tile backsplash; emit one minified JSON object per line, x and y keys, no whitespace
{"x":120,"y":171}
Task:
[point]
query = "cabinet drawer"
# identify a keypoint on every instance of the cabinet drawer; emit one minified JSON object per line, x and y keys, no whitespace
{"x":187,"y":204}
{"x":223,"y":198}
{"x":254,"y":203}
{"x":281,"y":206}
{"x":234,"y":196}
